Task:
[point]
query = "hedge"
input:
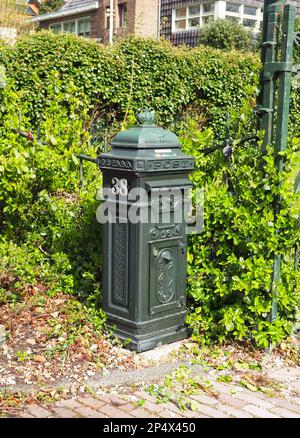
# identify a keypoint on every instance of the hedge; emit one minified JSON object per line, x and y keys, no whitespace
{"x":134,"y":73}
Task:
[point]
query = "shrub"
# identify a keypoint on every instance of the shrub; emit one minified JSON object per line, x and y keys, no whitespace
{"x":132,"y":74}
{"x":50,"y":6}
{"x":231,"y":261}
{"x":45,"y":217}
{"x":227,"y":35}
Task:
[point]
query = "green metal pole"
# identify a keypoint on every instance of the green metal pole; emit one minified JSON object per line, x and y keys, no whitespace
{"x":274,"y":71}
{"x":289,"y":16}
{"x":269,"y":54}
{"x":296,"y":190}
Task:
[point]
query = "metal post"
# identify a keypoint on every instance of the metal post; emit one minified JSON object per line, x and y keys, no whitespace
{"x":269,"y":54}
{"x":282,"y":124}
{"x":274,"y":70}
{"x":111,"y":21}
{"x":284,"y":91}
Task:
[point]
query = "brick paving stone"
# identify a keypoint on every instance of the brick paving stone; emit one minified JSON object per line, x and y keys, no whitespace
{"x":26,"y":415}
{"x":257,"y":394}
{"x":91,"y":402}
{"x":259,"y":412}
{"x":113,"y":412}
{"x":154,"y":407}
{"x":252,"y":398}
{"x":85,"y":411}
{"x":144,"y":395}
{"x":127,"y":407}
{"x":117,"y":401}
{"x":70,"y":403}
{"x":172,"y":407}
{"x":38,"y":412}
{"x":106,"y":398}
{"x":194,"y":414}
{"x":160,"y":410}
{"x":169,"y":414}
{"x":64,"y":413}
{"x":206,"y":400}
{"x":222,"y":388}
{"x":231,"y":400}
{"x":285,"y":413}
{"x":211,"y":411}
{"x":282,"y":402}
{"x":233,"y":412}
{"x":142,"y":413}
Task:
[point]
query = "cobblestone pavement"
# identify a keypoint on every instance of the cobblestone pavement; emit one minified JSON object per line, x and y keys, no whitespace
{"x":231,"y":402}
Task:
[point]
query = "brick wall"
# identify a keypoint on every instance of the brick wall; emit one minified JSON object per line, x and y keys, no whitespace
{"x":142,"y":19}
{"x":146,"y":17}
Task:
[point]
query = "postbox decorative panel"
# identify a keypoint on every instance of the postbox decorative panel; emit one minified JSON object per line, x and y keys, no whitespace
{"x":120,"y":264}
{"x":164,"y":270}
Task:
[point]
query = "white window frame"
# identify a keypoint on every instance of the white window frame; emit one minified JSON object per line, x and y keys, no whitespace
{"x":76,"y":20}
{"x":241,"y":16}
{"x":69,"y":21}
{"x":52,"y":25}
{"x":77,"y":27}
{"x":187,"y":16}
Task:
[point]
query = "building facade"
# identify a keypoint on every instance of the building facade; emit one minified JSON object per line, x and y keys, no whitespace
{"x":90,"y":18}
{"x":180,"y":20}
{"x":177,"y":20}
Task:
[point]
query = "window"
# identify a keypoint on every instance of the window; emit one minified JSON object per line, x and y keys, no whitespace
{"x":248,"y":15}
{"x":232,"y":7}
{"x":194,"y":10}
{"x":194,"y":23}
{"x":192,"y":17}
{"x":122,"y":15}
{"x":180,"y":12}
{"x":249,"y":23}
{"x":56,"y":28}
{"x":180,"y":25}
{"x":84,"y":27}
{"x":249,"y":10}
{"x":69,"y":26}
{"x":80,"y":27}
{"x":206,"y":20}
{"x":232,"y":19}
{"x":199,"y":14}
{"x":209,"y":7}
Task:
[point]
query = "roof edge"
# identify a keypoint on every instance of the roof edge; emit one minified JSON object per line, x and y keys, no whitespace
{"x":65,"y":13}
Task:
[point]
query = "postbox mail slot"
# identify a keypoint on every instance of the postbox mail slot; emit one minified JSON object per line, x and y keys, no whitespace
{"x":173,"y":184}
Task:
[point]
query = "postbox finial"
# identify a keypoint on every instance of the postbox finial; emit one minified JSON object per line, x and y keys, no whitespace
{"x":146,"y":117}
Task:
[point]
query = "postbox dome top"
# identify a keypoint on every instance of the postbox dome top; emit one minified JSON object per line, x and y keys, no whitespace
{"x":146,"y":135}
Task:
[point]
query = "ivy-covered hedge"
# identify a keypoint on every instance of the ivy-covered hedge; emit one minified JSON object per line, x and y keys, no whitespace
{"x":133,"y":74}
{"x":56,"y":86}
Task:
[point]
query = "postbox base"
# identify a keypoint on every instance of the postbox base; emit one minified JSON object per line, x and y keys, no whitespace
{"x":140,"y":343}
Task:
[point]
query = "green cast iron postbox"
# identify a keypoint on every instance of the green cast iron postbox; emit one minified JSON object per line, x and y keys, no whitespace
{"x":144,"y":261}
